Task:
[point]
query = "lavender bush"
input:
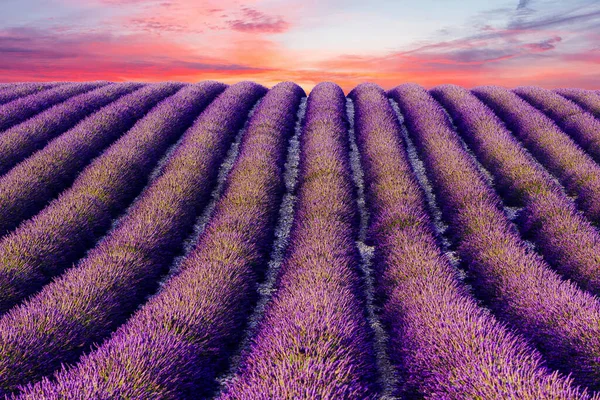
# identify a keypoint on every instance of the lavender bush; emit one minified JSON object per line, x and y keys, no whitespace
{"x":587,"y":99}
{"x":425,"y":303}
{"x":30,"y":185}
{"x":14,"y":91}
{"x":22,"y":108}
{"x":23,"y":139}
{"x":576,"y":170}
{"x":172,"y":241}
{"x":193,"y":323}
{"x":314,"y":340}
{"x":574,"y":120}
{"x":521,"y":289}
{"x":566,"y":239}
{"x":65,"y":229}
{"x":87,"y":302}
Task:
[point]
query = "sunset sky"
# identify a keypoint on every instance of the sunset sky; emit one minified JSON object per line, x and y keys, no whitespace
{"x":508,"y":43}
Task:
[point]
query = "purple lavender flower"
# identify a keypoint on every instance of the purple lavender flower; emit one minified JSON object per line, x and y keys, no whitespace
{"x":23,"y":139}
{"x":31,"y":184}
{"x":441,"y":342}
{"x":314,"y":340}
{"x":193,"y":323}
{"x":559,"y":318}
{"x":86,"y":303}
{"x":571,"y":118}
{"x":64,"y":230}
{"x":587,"y":99}
{"x":566,"y":239}
{"x":576,"y":170}
{"x":20,"y":109}
{"x":10,"y":92}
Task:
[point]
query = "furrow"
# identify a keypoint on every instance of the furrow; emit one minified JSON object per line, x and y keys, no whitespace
{"x":587,"y":99}
{"x":386,"y":373}
{"x":285,"y":218}
{"x":203,"y":219}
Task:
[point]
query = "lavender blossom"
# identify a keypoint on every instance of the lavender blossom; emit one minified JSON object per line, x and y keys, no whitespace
{"x":314,"y":340}
{"x":575,"y":169}
{"x":33,"y":183}
{"x":554,"y":314}
{"x":20,"y":109}
{"x":587,"y":99}
{"x":198,"y":317}
{"x":572,"y":119}
{"x":64,"y":230}
{"x":566,"y":239}
{"x":12,"y":92}
{"x":23,"y":139}
{"x":441,"y":342}
{"x":86,"y":303}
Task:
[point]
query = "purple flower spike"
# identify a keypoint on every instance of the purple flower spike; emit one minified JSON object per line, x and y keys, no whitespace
{"x":186,"y":241}
{"x":65,"y":229}
{"x":587,"y":99}
{"x":31,"y":184}
{"x":22,"y":108}
{"x":576,"y":170}
{"x":85,"y":304}
{"x":566,"y":239}
{"x":554,"y":314}
{"x":574,"y":120}
{"x":23,"y":139}
{"x":193,"y":323}
{"x":441,"y":342}
{"x":314,"y":340}
{"x":12,"y":92}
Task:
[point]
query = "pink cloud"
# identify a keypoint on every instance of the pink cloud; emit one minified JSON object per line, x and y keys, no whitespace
{"x":545,"y":45}
{"x":258,"y":22}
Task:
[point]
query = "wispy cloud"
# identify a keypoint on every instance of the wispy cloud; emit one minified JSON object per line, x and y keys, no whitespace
{"x":255,"y":21}
{"x":571,"y":17}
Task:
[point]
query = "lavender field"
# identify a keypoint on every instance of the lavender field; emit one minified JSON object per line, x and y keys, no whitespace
{"x":191,"y":241}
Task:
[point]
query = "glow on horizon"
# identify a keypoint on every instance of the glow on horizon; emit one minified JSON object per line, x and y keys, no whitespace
{"x":510,"y":43}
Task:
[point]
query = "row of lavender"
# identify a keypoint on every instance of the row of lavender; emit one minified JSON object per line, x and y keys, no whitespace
{"x":235,"y":236}
{"x":565,"y":238}
{"x":314,"y":340}
{"x":442,"y":342}
{"x":70,"y":224}
{"x":198,"y":315}
{"x":88,"y":301}
{"x":550,"y":217}
{"x":26,"y":188}
{"x":10,"y":92}
{"x":20,"y":109}
{"x":517,"y":284}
